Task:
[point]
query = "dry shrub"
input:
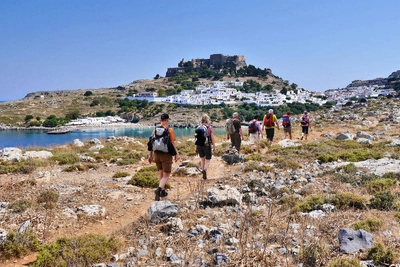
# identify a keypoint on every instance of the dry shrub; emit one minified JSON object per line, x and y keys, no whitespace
{"x":369,"y":225}
{"x":255,"y":165}
{"x":85,"y":250}
{"x":344,"y":262}
{"x":383,"y":201}
{"x":19,"y":244}
{"x":21,"y":205}
{"x":314,"y":254}
{"x":65,"y":158}
{"x":120,"y":174}
{"x":381,"y":255}
{"x":382,"y":184}
{"x":147,"y":177}
{"x":285,"y":163}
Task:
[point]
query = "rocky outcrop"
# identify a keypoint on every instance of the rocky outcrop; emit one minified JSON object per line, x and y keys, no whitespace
{"x":345,"y":136}
{"x":162,"y":210}
{"x":395,"y":74}
{"x":376,"y":81}
{"x":232,"y":156}
{"x":354,"y":241}
{"x":15,"y":154}
{"x":223,"y":195}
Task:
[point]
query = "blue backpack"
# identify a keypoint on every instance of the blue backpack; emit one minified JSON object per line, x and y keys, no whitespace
{"x":286,"y":121}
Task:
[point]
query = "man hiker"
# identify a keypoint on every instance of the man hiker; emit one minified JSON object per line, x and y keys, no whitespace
{"x":204,"y":149}
{"x":163,"y":160}
{"x":255,"y":132}
{"x":237,"y":136}
{"x":269,"y":123}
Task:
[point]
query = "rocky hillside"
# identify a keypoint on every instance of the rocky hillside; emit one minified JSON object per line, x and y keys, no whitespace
{"x":389,"y":81}
{"x":59,"y":103}
{"x":332,"y":200}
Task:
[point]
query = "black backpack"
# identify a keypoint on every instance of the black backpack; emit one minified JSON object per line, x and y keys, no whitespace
{"x":304,"y":120}
{"x":201,"y":135}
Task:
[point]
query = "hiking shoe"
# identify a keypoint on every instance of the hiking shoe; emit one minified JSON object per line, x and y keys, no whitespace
{"x":158,"y":193}
{"x":163,"y":193}
{"x":204,"y":175}
{"x":301,"y":138}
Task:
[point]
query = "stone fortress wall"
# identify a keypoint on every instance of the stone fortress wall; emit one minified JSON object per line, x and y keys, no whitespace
{"x":215,"y":60}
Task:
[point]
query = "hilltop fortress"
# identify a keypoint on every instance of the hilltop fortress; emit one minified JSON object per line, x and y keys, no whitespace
{"x":215,"y":62}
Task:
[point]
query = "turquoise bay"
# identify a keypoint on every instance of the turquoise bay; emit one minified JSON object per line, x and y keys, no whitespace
{"x":37,"y":138}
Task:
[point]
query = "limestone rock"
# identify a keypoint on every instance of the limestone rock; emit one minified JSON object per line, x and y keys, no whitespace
{"x":345,"y":136}
{"x":91,"y":210}
{"x":232,"y":156}
{"x":223,"y":195}
{"x":37,"y":154}
{"x":288,"y":143}
{"x":354,"y":241}
{"x":162,"y":210}
{"x":11,"y":153}
{"x":78,"y":143}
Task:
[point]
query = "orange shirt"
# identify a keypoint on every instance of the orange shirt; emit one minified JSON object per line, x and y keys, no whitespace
{"x":172,"y":136}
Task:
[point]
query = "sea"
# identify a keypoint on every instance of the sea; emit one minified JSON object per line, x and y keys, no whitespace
{"x":40,"y":139}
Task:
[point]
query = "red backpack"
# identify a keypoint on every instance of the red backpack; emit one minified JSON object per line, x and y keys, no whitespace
{"x":269,"y":120}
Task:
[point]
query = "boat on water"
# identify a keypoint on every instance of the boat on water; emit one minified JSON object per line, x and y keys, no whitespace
{"x":59,"y":131}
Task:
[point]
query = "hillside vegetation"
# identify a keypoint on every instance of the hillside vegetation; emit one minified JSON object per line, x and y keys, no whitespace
{"x":55,"y":108}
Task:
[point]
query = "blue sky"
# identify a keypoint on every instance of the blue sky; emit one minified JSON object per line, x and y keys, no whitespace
{"x":89,"y":44}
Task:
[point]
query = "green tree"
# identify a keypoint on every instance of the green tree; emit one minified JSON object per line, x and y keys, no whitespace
{"x":28,"y":118}
{"x":95,"y":102}
{"x":157,"y":77}
{"x":267,"y":88}
{"x":100,"y":114}
{"x":88,"y":93}
{"x":73,"y":115}
{"x":51,"y":121}
{"x":161,"y":92}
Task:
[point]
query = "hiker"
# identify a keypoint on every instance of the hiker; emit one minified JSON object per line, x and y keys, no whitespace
{"x":204,"y":149}
{"x":287,"y":125}
{"x":237,"y":135}
{"x":255,"y":132}
{"x":269,"y":123}
{"x":163,"y":160}
{"x":305,"y":125}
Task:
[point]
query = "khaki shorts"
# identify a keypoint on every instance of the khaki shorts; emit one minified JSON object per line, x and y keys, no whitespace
{"x":163,"y":161}
{"x":287,"y":130}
